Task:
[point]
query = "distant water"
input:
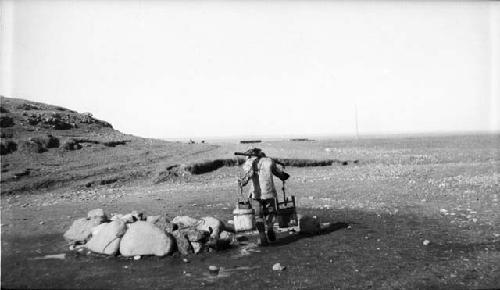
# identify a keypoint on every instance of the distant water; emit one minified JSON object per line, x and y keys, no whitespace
{"x":237,"y":139}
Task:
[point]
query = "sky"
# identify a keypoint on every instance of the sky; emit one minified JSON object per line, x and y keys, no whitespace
{"x":198,"y":69}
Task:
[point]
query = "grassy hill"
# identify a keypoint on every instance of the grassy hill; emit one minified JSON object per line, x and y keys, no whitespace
{"x":45,"y":146}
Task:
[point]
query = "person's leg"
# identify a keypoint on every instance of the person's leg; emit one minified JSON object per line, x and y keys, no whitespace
{"x":270,"y":214}
{"x":259,"y":221}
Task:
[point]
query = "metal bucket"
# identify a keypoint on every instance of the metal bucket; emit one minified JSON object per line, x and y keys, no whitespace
{"x":244,"y":219}
{"x":284,"y":216}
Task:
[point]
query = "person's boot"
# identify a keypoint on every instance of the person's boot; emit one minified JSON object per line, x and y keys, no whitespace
{"x":262,"y":241}
{"x":271,"y":235}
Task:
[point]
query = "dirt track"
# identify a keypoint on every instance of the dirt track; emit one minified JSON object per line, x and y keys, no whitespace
{"x":393,"y":200}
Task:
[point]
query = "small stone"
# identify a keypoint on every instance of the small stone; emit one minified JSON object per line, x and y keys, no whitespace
{"x":474,"y":220}
{"x":214,"y":270}
{"x":185,"y":260}
{"x":42,"y":222}
{"x":426,"y":242}
{"x":128,"y":218}
{"x":278,"y":267}
{"x":139,"y":216}
{"x":138,"y":257}
{"x":349,"y":227}
{"x":197,"y":247}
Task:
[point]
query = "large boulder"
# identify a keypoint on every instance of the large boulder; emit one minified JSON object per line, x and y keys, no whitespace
{"x":107,"y":239}
{"x":185,"y":221}
{"x":212,"y":225}
{"x":164,"y":223}
{"x":182,"y":243}
{"x":144,"y":238}
{"x":194,"y":235}
{"x":81,"y":230}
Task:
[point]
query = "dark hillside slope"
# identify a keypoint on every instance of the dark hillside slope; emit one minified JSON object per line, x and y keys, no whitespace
{"x":45,"y":146}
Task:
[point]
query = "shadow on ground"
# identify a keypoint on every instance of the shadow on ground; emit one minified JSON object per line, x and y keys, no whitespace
{"x":377,"y":251}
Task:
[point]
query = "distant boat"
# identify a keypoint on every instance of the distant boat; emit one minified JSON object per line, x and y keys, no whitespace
{"x":250,"y":141}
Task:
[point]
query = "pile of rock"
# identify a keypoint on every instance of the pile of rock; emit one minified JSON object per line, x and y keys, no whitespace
{"x":135,"y":234}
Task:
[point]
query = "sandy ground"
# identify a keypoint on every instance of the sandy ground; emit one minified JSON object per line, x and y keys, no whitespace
{"x":402,"y":193}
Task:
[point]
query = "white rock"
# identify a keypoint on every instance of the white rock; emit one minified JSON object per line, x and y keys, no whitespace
{"x":81,"y":230}
{"x":212,"y":225}
{"x":128,"y":218}
{"x":107,"y":240}
{"x":138,"y":257}
{"x":197,"y":247}
{"x":152,"y":218}
{"x":185,"y":221}
{"x":426,"y":242}
{"x":278,"y":267}
{"x":144,"y":238}
{"x":116,"y":217}
{"x":95,"y":230}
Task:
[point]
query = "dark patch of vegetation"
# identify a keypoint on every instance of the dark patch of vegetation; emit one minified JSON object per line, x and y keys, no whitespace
{"x":6,"y":121}
{"x":26,"y":172}
{"x":175,"y":171}
{"x":114,"y":143}
{"x":34,"y":146}
{"x":211,"y":165}
{"x":312,"y":162}
{"x":171,"y":172}
{"x":108,"y":181}
{"x":7,"y":147}
{"x":45,"y":142}
{"x":300,"y":139}
{"x":101,"y":182}
{"x":84,"y":140}
{"x":4,"y":110}
{"x":52,"y":142}
{"x":71,"y":145}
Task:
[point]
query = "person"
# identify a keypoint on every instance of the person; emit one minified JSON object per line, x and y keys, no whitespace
{"x":260,"y":170}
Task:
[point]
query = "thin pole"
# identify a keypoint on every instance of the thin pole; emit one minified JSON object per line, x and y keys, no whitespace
{"x":356,"y":118}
